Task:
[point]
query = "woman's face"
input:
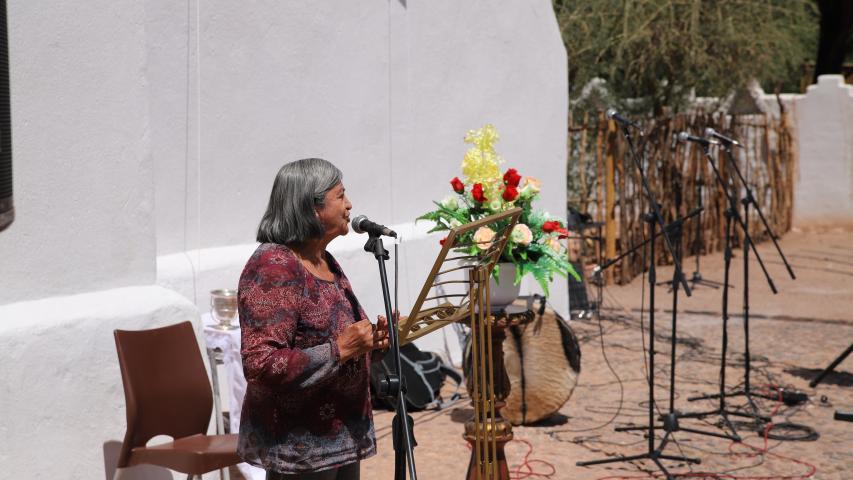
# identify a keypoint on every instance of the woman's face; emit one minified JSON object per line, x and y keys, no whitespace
{"x":334,"y":214}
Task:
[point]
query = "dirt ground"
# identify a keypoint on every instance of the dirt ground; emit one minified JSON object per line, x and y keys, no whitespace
{"x":793,"y":336}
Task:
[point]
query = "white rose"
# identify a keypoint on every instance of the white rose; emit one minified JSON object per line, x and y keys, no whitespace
{"x":521,"y":234}
{"x":483,"y":238}
{"x":450,"y":202}
{"x":495,"y":205}
{"x":454,"y":223}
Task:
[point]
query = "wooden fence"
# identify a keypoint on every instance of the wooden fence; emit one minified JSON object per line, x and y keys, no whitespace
{"x":604,"y":182}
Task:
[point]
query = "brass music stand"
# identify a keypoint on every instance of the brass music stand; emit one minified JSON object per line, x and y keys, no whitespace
{"x":486,"y":432}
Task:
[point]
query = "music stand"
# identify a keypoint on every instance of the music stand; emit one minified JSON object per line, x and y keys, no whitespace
{"x":487,"y":432}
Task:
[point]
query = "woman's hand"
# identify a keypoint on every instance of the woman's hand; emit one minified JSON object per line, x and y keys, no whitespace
{"x":362,"y":337}
{"x":356,"y":339}
{"x":381,"y":339}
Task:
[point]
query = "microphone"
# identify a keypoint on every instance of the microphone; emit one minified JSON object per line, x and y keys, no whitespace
{"x":362,"y":225}
{"x":614,"y":115}
{"x":710,"y":132}
{"x":686,"y":137}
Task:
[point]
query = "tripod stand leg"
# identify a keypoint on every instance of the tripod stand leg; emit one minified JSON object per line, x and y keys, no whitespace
{"x":831,"y":366}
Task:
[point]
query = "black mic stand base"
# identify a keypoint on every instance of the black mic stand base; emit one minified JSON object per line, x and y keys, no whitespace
{"x":669,"y":424}
{"x":697,"y":279}
{"x":655,"y":455}
{"x":749,"y":394}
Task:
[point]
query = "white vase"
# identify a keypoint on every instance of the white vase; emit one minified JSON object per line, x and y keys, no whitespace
{"x":504,"y":291}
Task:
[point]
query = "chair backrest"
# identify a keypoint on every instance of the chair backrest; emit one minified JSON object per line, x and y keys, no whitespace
{"x":166,"y":388}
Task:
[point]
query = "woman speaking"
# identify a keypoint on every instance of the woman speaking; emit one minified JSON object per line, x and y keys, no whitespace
{"x":306,"y":341}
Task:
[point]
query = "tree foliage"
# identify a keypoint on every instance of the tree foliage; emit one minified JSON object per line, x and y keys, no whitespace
{"x":661,"y":52}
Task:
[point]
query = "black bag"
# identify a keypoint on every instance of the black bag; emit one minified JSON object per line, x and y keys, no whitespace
{"x":424,"y":374}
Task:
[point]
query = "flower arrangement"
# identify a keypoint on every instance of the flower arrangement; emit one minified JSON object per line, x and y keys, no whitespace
{"x":534,"y":245}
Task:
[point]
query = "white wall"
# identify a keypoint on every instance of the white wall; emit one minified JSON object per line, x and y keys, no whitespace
{"x":822,"y":127}
{"x":146,"y":139}
{"x":82,"y":172}
{"x":388,"y":99}
{"x":60,"y":385}
{"x":824,"y":192}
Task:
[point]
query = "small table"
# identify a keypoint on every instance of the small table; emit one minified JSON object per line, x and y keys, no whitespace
{"x":223,"y":348}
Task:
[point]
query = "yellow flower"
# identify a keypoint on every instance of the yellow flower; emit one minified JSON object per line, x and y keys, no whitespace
{"x":481,"y":162}
{"x":484,"y":138}
{"x":483,"y":238}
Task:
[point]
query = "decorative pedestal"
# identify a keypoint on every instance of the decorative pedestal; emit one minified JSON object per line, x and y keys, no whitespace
{"x":511,"y":315}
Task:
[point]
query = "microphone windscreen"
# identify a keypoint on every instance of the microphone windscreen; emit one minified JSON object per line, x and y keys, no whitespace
{"x":610,"y":112}
{"x":683,"y":136}
{"x":356,"y":223}
{"x":710,"y":132}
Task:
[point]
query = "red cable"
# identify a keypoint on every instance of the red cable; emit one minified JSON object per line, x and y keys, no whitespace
{"x":527,"y":464}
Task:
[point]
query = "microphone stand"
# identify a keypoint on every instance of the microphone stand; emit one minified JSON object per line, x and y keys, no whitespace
{"x":670,"y":419}
{"x":732,"y":213}
{"x":750,"y":199}
{"x":698,"y":244}
{"x":393,"y":385}
{"x":654,"y":219}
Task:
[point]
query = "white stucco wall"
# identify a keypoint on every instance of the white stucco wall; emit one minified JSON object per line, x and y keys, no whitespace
{"x":60,"y":385}
{"x":146,"y":139}
{"x":83,"y":177}
{"x":824,"y":191}
{"x":388,"y":99}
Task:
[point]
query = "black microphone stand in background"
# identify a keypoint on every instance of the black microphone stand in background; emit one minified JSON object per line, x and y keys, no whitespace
{"x":654,"y":219}
{"x":748,"y":200}
{"x":699,"y":245}
{"x":392,"y":385}
{"x":669,"y":420}
{"x":731,"y":214}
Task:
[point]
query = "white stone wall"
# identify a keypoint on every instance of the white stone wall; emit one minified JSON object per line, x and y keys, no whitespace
{"x":146,"y":139}
{"x":824,"y":192}
{"x":83,"y":178}
{"x":388,"y":99}
{"x":822,"y":127}
{"x":60,"y":385}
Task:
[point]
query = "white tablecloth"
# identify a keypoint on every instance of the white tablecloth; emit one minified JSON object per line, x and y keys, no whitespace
{"x":229,"y":342}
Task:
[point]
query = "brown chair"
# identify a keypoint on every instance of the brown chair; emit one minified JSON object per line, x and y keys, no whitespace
{"x":168,"y":393}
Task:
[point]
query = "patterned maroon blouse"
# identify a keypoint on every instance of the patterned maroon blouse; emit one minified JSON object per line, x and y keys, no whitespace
{"x":304,"y":410}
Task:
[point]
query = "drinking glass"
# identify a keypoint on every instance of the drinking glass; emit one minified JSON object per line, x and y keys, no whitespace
{"x":223,"y":307}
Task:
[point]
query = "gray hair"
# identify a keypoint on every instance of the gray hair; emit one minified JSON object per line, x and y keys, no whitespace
{"x":299,"y":188}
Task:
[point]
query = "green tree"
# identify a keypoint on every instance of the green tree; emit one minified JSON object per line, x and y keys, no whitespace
{"x":659,"y":52}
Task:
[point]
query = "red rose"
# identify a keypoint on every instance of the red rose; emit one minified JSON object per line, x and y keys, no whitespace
{"x":510,"y":193}
{"x":562,"y":231}
{"x":550,"y":226}
{"x":477,"y":193}
{"x":457,"y":185}
{"x":512,"y":178}
{"x":441,"y":242}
